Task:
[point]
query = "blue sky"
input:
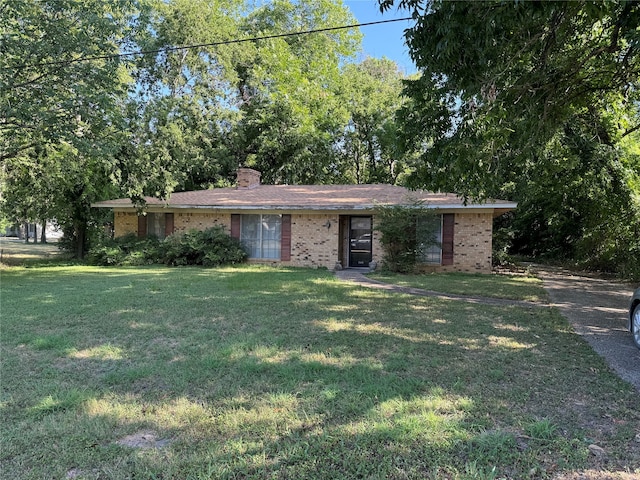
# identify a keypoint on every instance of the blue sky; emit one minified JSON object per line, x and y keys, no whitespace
{"x":386,"y":40}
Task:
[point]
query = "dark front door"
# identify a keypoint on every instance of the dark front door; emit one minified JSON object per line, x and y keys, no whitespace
{"x":360,"y":241}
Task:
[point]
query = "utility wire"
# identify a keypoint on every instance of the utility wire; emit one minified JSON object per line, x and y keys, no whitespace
{"x":201,"y":45}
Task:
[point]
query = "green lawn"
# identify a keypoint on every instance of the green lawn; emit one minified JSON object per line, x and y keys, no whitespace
{"x":255,"y":372}
{"x":514,"y":287}
{"x":17,"y":252}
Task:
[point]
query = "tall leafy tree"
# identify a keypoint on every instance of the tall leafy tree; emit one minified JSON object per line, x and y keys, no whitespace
{"x":47,"y":94}
{"x":509,"y":75}
{"x":289,"y":91}
{"x":59,"y":114}
{"x":371,"y":148}
{"x":183,"y":106}
{"x":534,"y":101}
{"x":271,"y":104}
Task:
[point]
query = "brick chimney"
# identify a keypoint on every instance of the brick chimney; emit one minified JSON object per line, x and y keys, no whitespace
{"x":248,"y":178}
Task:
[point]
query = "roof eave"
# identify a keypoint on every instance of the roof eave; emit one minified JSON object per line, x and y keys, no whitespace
{"x":501,"y":207}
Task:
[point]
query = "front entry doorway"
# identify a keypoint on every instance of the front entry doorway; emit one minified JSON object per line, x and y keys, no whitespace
{"x":360,"y":234}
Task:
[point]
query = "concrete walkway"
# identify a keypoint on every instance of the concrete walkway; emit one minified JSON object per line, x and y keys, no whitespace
{"x":595,"y":308}
{"x":357,"y":276}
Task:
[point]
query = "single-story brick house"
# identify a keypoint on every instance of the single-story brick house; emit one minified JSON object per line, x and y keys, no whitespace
{"x":316,"y":225}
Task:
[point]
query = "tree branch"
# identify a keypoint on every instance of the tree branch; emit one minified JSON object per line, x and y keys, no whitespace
{"x":28,"y":82}
{"x":631,"y":130}
{"x":15,"y":152}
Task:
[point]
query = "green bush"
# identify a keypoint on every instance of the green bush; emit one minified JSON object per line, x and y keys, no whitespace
{"x":405,"y":232}
{"x":210,"y":248}
{"x":503,"y":234}
{"x":125,"y":250}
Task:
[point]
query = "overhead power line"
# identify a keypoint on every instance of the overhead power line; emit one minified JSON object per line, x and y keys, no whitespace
{"x":202,"y":45}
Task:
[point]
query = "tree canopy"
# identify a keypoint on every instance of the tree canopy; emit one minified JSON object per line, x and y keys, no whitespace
{"x":372,"y":94}
{"x":537,"y":102}
{"x":61,"y":117}
{"x":80,"y":123}
{"x":48,"y":96}
{"x":510,"y":75}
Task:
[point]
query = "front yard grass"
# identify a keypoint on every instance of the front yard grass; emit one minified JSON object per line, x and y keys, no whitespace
{"x":255,"y":372}
{"x":513,"y":287}
{"x":14,"y":252}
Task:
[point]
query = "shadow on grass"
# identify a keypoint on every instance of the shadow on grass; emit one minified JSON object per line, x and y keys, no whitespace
{"x":255,"y":372}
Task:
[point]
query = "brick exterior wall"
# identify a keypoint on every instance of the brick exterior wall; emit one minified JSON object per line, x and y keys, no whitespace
{"x":185,"y":221}
{"x":124,"y":223}
{"x":376,"y":248}
{"x":313,"y":244}
{"x":471,"y":243}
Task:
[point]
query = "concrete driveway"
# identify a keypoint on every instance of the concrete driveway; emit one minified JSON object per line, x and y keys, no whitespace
{"x":598,"y":311}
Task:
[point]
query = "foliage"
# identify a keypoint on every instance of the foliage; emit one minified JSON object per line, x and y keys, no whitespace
{"x":47,"y":96}
{"x":370,"y":144}
{"x":576,"y":186}
{"x":405,"y":232}
{"x":180,"y":107}
{"x":75,"y":129}
{"x":536,"y":102}
{"x":267,"y":104}
{"x":58,"y":183}
{"x":60,"y":118}
{"x":292,"y":111}
{"x":4,"y":223}
{"x":211,"y":247}
{"x":125,"y":250}
{"x":295,"y":108}
{"x":502,"y":240}
{"x":513,"y":73}
{"x":177,"y":119}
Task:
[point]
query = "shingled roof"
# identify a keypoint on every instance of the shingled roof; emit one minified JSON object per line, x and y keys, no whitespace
{"x":308,"y":197}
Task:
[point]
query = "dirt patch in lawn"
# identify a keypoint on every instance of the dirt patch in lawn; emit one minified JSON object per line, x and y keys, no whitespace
{"x":596,"y":475}
{"x":144,"y":439}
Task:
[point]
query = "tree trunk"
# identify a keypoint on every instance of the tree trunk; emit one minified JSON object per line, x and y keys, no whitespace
{"x":80,"y":234}
{"x":43,"y":234}
{"x":26,"y":233}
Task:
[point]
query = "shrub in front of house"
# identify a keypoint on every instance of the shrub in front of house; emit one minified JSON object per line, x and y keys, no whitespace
{"x":125,"y":250}
{"x":406,"y":231}
{"x":209,"y":248}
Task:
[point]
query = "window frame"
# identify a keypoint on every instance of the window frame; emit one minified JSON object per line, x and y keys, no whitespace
{"x":427,"y":256}
{"x":157,"y":225}
{"x":256,"y":246}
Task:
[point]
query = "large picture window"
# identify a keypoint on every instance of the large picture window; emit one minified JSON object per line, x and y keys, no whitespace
{"x":156,"y":225}
{"x":430,"y":247}
{"x":261,"y":235}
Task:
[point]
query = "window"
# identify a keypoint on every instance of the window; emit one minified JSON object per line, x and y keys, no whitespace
{"x":261,"y":235}
{"x":156,"y":225}
{"x":430,"y":248}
